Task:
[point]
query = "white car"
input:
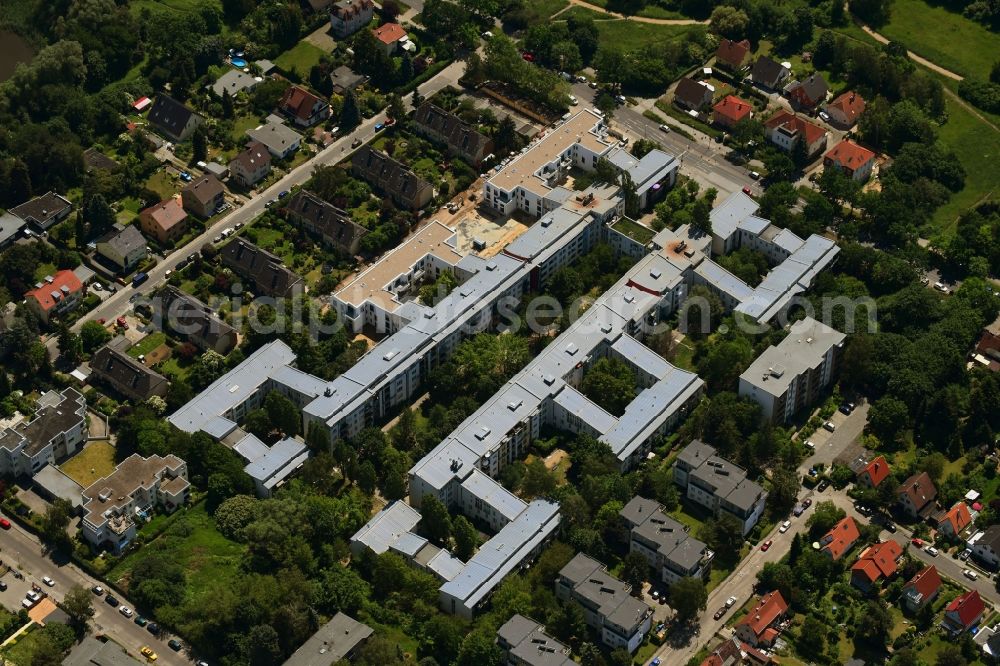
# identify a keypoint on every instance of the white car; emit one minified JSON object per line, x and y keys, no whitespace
{"x":580,"y":78}
{"x":932,"y":551}
{"x":824,"y":115}
{"x":126,"y":611}
{"x":970,"y":574}
{"x":811,"y":445}
{"x":785,"y":526}
{"x":730,"y":601}
{"x":97,"y":286}
{"x":33,"y":596}
{"x":829,"y":426}
{"x":573,"y":100}
{"x":48,"y":581}
{"x":664,"y":128}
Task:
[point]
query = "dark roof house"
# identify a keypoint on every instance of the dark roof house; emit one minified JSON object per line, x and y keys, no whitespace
{"x":45,"y":211}
{"x":330,"y":223}
{"x":733,"y":55}
{"x":808,"y":93}
{"x":344,"y":78}
{"x":193,"y":321}
{"x":768,"y":73}
{"x":265,"y":270}
{"x":461,"y":138}
{"x":127,"y":375}
{"x":691,"y":94}
{"x":173,"y":118}
{"x":391,"y":178}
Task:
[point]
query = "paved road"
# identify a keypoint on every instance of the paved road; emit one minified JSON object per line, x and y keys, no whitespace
{"x":22,"y":550}
{"x":703,"y":160}
{"x":741,"y":581}
{"x":117,"y":304}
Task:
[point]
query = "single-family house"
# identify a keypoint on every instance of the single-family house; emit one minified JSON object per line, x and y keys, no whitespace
{"x":877,"y":562}
{"x":280,"y":139}
{"x":785,"y":130}
{"x":333,"y":225}
{"x":807,"y":94}
{"x":854,"y":160}
{"x":916,"y":495}
{"x":761,"y":625}
{"x":11,"y":226}
{"x":922,"y":589}
{"x":263,"y":270}
{"x":123,"y":246}
{"x":349,"y":16}
{"x":964,"y":612}
{"x":92,"y":652}
{"x":173,"y":118}
{"x":840,"y":539}
{"x":44,"y":212}
{"x":391,"y":37}
{"x":203,"y":196}
{"x":693,"y":95}
{"x":235,"y":81}
{"x":845,"y":110}
{"x":127,"y":375}
{"x":95,"y":160}
{"x":730,"y":653}
{"x":391,"y":178}
{"x":251,"y":165}
{"x":302,"y":107}
{"x":733,"y":55}
{"x":730,"y":110}
{"x":987,"y":547}
{"x":193,"y":321}
{"x":165,"y":221}
{"x":344,"y":78}
{"x":874,"y":473}
{"x":445,"y":127}
{"x":55,"y":295}
{"x":956,"y":519}
{"x":768,"y":73}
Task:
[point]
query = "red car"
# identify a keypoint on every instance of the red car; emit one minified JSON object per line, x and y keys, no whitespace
{"x":747,"y":191}
{"x":764,"y":546}
{"x":919,"y":543}
{"x":121,"y":322}
{"x":4,"y":523}
{"x":528,"y":56}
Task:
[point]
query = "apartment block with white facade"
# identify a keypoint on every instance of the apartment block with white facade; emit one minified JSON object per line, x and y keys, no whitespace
{"x":57,"y":431}
{"x":621,"y":620}
{"x":718,"y":485}
{"x":791,"y":375}
{"x":665,"y":543}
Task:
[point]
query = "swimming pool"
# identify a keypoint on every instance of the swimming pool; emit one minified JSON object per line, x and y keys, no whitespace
{"x":238,"y":63}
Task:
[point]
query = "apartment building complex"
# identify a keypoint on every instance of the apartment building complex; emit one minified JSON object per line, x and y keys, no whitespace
{"x":666,"y":544}
{"x":525,"y":643}
{"x":792,"y":375}
{"x":112,"y":505}
{"x":719,"y":485}
{"x":57,"y":431}
{"x":621,"y":619}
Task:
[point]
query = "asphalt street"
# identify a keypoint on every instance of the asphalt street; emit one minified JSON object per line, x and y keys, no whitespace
{"x":23,"y":551}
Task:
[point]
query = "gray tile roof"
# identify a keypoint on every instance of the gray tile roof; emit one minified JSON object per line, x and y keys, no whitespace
{"x":529,"y":644}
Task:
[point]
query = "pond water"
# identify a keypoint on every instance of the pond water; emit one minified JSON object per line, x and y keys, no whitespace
{"x":13,"y":50}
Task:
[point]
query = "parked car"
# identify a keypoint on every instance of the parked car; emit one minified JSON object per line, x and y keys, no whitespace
{"x":824,"y":116}
{"x":829,"y":426}
{"x":148,"y":653}
{"x":719,"y":613}
{"x":918,"y":543}
{"x":765,"y":546}
{"x":823,"y":485}
{"x":573,"y":101}
{"x":970,"y":574}
{"x":785,"y":526}
{"x":4,"y":523}
{"x":890,"y":526}
{"x":175,"y":644}
{"x":798,"y":510}
{"x":153,"y":628}
{"x":847,"y":408}
{"x":806,"y":503}
{"x":356,"y":143}
{"x":379,"y":127}
{"x":964,"y":555}
{"x":932,"y":551}
{"x":35,"y":597}
{"x":125,"y":610}
{"x":3,"y":586}
{"x":747,"y":191}
{"x":755,"y":175}
{"x":530,"y":57}
{"x":664,"y":128}
{"x":730,"y":602}
{"x":139,"y":278}
{"x":111,"y":601}
{"x":141,"y":621}
{"x":48,"y":581}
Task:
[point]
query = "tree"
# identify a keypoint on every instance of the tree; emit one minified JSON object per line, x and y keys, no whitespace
{"x":199,"y":144}
{"x":436,"y":520}
{"x":538,"y":480}
{"x":367,"y":477}
{"x":466,"y":538}
{"x":874,"y":623}
{"x":635,"y":570}
{"x":70,"y":345}
{"x":350,"y":115}
{"x":812,"y":637}
{"x":234,"y":514}
{"x":950,"y":655}
{"x":505,"y":137}
{"x":479,"y":649}
{"x":227,"y":105}
{"x":729,"y":22}
{"x":395,"y":108}
{"x":887,"y":417}
{"x":77,"y":604}
{"x":610,"y":383}
{"x":99,"y":215}
{"x":93,"y":335}
{"x":824,"y":517}
{"x":873,"y":12}
{"x":283,"y":413}
{"x":54,"y":524}
{"x":724,"y":535}
{"x":441,"y":638}
{"x":687,"y":597}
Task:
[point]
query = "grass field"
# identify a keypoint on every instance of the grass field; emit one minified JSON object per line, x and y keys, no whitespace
{"x":944,"y":37}
{"x":172,"y":5}
{"x":549,"y":7}
{"x":97,"y":460}
{"x":43,"y":270}
{"x":978,"y":147}
{"x":147,"y":344}
{"x":211,"y":562}
{"x":300,"y":58}
{"x":161,"y":183}
{"x":633,"y":35}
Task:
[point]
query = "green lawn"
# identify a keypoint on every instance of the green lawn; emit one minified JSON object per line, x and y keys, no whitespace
{"x":174,"y":5}
{"x":549,"y":7}
{"x":211,"y":562}
{"x":96,"y":461}
{"x":634,"y":230}
{"x":944,"y":37}
{"x":300,"y":58}
{"x":44,"y":270}
{"x":978,"y":148}
{"x":147,"y":344}
{"x":634,"y":35}
{"x":163,"y":184}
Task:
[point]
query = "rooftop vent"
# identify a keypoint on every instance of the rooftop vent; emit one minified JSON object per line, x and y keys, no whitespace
{"x":655,"y":273}
{"x":390,"y":354}
{"x":514,"y":405}
{"x":483,"y":433}
{"x":549,"y":380}
{"x":571,"y":349}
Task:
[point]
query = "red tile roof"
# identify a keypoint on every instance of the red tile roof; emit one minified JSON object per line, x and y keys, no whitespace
{"x":44,"y":295}
{"x":299,"y":102}
{"x":926,"y":582}
{"x":958,"y":517}
{"x":879,"y":560}
{"x":733,"y":53}
{"x":966,"y":608}
{"x":733,"y":108}
{"x":794,"y":123}
{"x":849,"y":154}
{"x":840,"y":538}
{"x":389,"y":33}
{"x":851,"y":104}
{"x":167,"y":213}
{"x":770,"y":607}
{"x":877,"y":470}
